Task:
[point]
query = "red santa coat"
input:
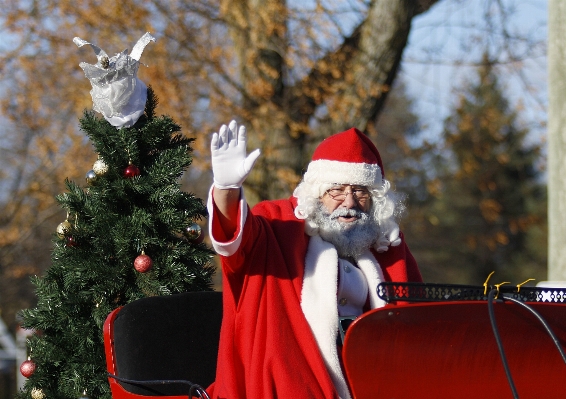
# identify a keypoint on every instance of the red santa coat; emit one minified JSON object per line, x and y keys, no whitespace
{"x":267,"y":347}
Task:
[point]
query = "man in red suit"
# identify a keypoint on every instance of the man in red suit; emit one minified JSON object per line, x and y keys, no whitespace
{"x":291,"y":268}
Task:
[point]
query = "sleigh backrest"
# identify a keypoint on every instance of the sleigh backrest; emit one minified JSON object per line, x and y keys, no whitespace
{"x":163,"y":338}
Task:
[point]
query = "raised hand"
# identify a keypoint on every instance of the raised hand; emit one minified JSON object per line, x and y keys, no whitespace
{"x":230,"y":164}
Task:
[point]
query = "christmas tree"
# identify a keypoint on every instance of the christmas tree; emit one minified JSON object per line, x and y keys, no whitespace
{"x":130,"y":232}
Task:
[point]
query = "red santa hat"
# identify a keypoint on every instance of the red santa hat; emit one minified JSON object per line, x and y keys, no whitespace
{"x":346,"y":158}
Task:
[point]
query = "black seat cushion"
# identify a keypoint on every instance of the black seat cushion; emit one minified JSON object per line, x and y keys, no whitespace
{"x":168,"y":338}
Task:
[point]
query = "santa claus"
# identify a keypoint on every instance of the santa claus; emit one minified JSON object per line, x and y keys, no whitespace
{"x":293,"y":268}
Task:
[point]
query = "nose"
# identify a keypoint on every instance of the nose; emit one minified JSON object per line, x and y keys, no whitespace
{"x":349,"y":202}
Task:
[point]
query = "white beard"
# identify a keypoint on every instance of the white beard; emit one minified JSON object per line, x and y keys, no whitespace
{"x":350,"y":239}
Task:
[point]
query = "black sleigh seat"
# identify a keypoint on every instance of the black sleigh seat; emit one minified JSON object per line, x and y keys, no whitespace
{"x":163,"y":343}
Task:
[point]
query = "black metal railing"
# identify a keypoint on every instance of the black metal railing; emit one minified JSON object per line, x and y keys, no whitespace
{"x":432,"y":292}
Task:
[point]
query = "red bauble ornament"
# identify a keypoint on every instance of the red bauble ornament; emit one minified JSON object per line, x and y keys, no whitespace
{"x":70,"y":241}
{"x":27,"y":368}
{"x":131,"y":171}
{"x":143,"y":263}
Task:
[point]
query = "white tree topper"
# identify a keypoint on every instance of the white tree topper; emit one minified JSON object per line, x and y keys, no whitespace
{"x":117,"y":93}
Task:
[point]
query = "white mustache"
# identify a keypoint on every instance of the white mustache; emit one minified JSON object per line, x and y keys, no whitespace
{"x":345,"y":212}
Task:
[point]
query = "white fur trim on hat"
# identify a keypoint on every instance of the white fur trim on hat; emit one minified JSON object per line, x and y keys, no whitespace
{"x":327,"y":171}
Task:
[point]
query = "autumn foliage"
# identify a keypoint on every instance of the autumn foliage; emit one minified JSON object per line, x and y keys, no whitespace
{"x":292,"y":73}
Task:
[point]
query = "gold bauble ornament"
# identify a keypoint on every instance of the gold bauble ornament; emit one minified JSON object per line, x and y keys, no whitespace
{"x":100,"y":167}
{"x":37,"y":393}
{"x":63,"y":229}
{"x":91,"y":178}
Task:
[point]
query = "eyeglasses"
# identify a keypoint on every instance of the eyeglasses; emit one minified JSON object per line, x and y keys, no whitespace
{"x":339,"y":193}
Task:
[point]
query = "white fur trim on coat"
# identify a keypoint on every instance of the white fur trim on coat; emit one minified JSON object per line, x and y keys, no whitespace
{"x":319,"y":302}
{"x":374,"y":275}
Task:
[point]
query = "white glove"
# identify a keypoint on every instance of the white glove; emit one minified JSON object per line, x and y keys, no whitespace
{"x":230,"y":165}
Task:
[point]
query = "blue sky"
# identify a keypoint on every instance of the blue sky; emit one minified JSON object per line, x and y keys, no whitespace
{"x":446,"y":42}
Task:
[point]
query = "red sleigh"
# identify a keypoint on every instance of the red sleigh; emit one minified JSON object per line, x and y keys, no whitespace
{"x":438,"y":341}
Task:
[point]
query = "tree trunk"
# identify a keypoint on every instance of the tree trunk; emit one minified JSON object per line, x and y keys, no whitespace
{"x":351,"y":82}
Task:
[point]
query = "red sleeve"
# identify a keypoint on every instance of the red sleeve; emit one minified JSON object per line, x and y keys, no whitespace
{"x":398,"y":263}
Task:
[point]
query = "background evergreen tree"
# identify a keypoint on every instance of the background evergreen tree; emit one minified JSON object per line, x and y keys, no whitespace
{"x":132,"y":205}
{"x":493,"y":204}
{"x":411,"y":164}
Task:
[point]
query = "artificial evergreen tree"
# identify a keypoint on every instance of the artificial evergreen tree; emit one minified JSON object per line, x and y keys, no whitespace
{"x":130,"y":232}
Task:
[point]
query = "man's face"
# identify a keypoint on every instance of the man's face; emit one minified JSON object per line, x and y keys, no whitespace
{"x":343,"y":219}
{"x":348,"y":197}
